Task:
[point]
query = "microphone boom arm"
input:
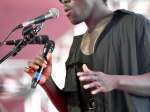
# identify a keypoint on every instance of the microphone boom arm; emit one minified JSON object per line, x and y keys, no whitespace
{"x":23,"y":42}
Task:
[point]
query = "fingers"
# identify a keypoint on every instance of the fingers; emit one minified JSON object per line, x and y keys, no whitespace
{"x":87,"y":75}
{"x":40,"y":61}
{"x":37,"y":62}
{"x":87,"y":78}
{"x":92,"y":77}
{"x":29,"y":71}
{"x":100,"y":89}
{"x":85,"y":68}
{"x":32,"y":65}
{"x":91,"y":85}
{"x":49,"y":58}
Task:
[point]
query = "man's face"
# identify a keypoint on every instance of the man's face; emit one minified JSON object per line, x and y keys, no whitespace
{"x":78,"y":11}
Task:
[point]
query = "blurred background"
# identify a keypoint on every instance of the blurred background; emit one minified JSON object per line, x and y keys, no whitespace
{"x":15,"y":92}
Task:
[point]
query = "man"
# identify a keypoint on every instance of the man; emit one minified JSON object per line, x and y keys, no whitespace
{"x":108,"y":67}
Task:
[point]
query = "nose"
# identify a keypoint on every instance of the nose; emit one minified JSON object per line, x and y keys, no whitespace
{"x":65,"y":1}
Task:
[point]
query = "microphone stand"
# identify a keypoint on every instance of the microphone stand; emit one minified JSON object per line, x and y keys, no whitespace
{"x":23,"y":42}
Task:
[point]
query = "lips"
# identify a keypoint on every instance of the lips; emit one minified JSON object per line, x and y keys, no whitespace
{"x":67,"y":11}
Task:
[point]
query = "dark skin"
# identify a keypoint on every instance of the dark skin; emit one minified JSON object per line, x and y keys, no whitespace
{"x":91,"y":12}
{"x":54,"y":93}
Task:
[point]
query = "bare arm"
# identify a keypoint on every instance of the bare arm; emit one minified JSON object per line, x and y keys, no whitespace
{"x":139,"y":85}
{"x":54,"y":93}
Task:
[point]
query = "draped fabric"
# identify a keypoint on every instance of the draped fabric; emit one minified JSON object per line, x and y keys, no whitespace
{"x":123,"y":49}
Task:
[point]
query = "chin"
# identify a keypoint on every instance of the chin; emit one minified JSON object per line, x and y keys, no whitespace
{"x":75,"y":22}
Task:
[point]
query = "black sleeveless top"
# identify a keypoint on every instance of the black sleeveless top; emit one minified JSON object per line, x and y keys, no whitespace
{"x":84,"y":94}
{"x":78,"y":98}
{"x":117,"y":51}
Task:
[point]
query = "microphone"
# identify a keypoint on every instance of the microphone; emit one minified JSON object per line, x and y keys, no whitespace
{"x":40,"y":39}
{"x":53,"y":13}
{"x":48,"y":48}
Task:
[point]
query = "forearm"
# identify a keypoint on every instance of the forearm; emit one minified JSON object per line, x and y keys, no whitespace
{"x":139,"y":85}
{"x":55,"y":94}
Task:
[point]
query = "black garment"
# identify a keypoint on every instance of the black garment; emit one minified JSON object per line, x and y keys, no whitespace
{"x":122,"y":48}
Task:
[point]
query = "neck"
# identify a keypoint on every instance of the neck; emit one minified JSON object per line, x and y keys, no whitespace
{"x":98,"y":14}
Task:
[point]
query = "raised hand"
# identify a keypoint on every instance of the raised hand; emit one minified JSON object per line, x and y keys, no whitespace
{"x":101,"y":81}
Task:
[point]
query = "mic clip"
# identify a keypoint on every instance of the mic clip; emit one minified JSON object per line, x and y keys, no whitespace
{"x":27,"y":38}
{"x":28,"y":33}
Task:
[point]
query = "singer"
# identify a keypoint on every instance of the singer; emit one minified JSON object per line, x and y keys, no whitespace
{"x":108,"y":68}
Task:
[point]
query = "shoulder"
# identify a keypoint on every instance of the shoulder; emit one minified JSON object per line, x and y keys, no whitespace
{"x":76,"y":40}
{"x":137,"y":16}
{"x":131,"y":18}
{"x":78,"y":37}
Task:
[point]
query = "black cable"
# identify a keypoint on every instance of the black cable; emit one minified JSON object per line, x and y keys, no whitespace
{"x":19,"y":26}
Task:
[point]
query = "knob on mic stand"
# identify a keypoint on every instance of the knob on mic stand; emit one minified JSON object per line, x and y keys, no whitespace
{"x":48,"y":48}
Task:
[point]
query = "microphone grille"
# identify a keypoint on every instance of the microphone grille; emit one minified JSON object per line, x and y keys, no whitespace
{"x":54,"y":12}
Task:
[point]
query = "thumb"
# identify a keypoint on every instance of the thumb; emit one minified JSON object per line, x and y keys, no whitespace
{"x":49,"y":58}
{"x":85,"y":68}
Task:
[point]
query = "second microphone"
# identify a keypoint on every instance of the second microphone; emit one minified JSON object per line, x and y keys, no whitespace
{"x":40,"y":39}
